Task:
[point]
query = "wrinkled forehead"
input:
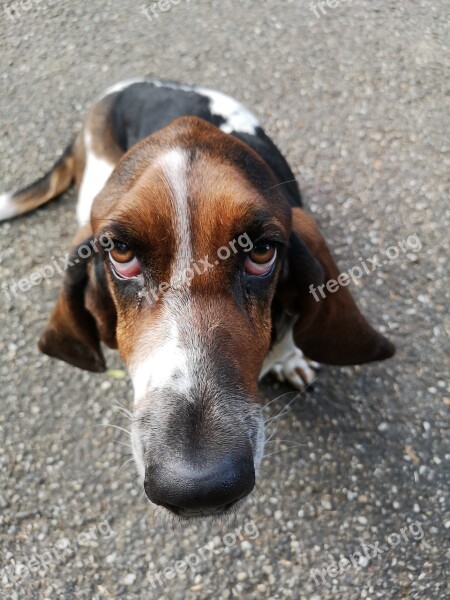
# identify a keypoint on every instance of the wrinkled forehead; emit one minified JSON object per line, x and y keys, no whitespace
{"x":193,"y":195}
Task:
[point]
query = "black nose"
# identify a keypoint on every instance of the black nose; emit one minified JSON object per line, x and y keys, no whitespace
{"x":188,"y":489}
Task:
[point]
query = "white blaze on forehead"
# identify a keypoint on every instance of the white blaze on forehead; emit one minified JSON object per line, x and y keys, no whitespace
{"x":174,"y":165}
{"x":156,"y":368}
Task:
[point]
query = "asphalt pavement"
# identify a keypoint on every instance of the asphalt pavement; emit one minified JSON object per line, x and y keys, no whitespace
{"x":353,"y":498}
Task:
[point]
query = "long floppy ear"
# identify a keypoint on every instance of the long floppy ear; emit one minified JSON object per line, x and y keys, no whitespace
{"x":330,"y":330}
{"x":84,"y":313}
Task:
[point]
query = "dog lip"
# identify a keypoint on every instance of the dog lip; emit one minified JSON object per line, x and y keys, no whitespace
{"x":198,"y":514}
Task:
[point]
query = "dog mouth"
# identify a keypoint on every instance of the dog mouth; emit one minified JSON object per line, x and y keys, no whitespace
{"x":227,"y":509}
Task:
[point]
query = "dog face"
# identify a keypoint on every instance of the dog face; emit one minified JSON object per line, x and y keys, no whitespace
{"x":205,"y":248}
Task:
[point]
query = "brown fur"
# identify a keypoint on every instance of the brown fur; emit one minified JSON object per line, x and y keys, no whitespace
{"x":222,"y":203}
{"x":332,"y":330}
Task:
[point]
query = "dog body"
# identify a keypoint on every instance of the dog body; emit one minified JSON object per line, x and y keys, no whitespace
{"x":204,"y":288}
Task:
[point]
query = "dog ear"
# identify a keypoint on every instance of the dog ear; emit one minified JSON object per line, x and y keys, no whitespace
{"x":330,"y":330}
{"x":84,"y":313}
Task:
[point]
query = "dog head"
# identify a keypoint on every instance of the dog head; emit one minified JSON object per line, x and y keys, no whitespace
{"x":203,"y":247}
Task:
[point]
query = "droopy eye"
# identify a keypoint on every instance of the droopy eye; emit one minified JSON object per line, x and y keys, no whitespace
{"x":125,"y":263}
{"x":261,"y":259}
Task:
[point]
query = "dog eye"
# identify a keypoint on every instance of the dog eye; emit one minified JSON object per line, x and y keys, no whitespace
{"x":261,"y":259}
{"x":124,"y":262}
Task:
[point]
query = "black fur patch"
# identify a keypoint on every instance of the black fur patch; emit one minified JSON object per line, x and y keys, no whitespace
{"x":143,"y":108}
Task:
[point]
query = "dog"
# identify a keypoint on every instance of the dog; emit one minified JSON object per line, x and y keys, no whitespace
{"x":180,"y":177}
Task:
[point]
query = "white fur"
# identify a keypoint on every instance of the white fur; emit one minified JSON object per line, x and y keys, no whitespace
{"x":138,"y":452}
{"x":7,"y":207}
{"x":288,"y":363}
{"x":171,"y":86}
{"x":237,"y":116}
{"x":174,"y":166}
{"x":96,"y":173}
{"x":157,"y":368}
{"x":259,"y":445}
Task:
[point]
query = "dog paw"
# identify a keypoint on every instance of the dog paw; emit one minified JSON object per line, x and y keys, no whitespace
{"x":296,"y":369}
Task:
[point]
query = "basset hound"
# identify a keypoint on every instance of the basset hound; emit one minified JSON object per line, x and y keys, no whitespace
{"x":204,"y":288}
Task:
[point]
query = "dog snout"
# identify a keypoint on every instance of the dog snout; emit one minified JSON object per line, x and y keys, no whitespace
{"x":189,"y":489}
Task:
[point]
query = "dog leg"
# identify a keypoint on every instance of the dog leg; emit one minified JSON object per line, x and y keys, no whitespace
{"x":289,"y":364}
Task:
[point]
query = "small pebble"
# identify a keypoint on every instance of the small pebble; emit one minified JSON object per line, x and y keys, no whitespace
{"x":129,"y":579}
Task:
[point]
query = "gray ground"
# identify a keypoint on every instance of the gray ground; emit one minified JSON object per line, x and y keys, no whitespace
{"x":357,"y":101}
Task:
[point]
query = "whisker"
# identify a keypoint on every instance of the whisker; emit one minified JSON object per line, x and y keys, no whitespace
{"x":125,"y":455}
{"x":290,"y":181}
{"x":286,"y":442}
{"x":276,"y":452}
{"x":254,"y":497}
{"x":160,"y":514}
{"x":122,"y":405}
{"x":125,"y":412}
{"x":284,"y":411}
{"x":127,"y":461}
{"x":122,"y":443}
{"x":118,"y":427}
{"x":272,"y":434}
{"x":277,"y":398}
